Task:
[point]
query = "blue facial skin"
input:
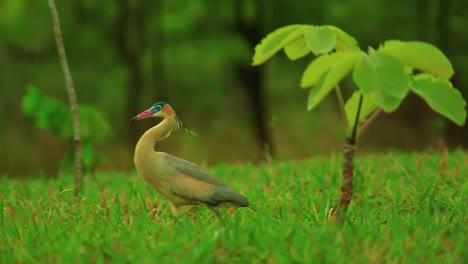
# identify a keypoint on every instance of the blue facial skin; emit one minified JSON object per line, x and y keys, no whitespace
{"x":157,"y":107}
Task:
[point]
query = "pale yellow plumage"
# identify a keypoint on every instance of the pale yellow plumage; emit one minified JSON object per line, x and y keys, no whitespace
{"x":182,"y":182}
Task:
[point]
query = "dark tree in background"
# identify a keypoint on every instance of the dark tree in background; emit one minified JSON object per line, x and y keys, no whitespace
{"x":418,"y":116}
{"x":251,"y":78}
{"x":436,"y":19}
{"x":128,"y":42}
{"x":156,"y":41}
{"x":138,"y":33}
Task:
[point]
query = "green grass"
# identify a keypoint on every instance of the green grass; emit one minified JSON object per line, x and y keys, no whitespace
{"x":407,"y":208}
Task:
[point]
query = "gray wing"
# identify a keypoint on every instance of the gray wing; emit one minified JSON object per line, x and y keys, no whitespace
{"x":190,"y":169}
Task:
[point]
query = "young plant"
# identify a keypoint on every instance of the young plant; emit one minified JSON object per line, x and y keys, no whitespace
{"x":50,"y":114}
{"x":383,"y":78}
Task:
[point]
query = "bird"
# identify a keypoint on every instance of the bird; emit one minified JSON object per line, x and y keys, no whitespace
{"x":180,"y":181}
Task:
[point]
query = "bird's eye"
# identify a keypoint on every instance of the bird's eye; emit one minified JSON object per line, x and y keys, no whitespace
{"x":156,"y":108}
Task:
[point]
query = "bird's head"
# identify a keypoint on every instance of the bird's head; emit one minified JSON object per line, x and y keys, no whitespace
{"x":160,"y":109}
{"x":163,"y":110}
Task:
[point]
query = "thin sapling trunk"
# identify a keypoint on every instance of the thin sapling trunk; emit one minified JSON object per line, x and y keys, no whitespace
{"x":348,"y":165}
{"x":71,"y":97}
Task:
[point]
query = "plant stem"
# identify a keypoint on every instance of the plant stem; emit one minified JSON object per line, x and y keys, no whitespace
{"x":339,"y":97}
{"x":368,"y":121}
{"x":71,"y":97}
{"x":348,"y":166}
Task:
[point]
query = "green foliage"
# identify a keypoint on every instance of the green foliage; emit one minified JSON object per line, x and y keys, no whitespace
{"x":277,"y":40}
{"x":293,"y":38}
{"x":368,"y":106}
{"x":403,"y":220}
{"x":441,"y":96}
{"x":50,"y":114}
{"x":336,"y":65}
{"x":420,"y":55}
{"x":384,"y":76}
{"x":343,"y":65}
{"x":344,"y":42}
{"x":320,"y":40}
{"x":16,"y":19}
{"x":296,"y":49}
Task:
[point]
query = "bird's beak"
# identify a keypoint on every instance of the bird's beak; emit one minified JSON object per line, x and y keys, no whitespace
{"x":143,"y":115}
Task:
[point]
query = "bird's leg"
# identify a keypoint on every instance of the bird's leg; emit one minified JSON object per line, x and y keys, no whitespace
{"x":175,"y":211}
{"x":218,"y":215}
{"x":220,"y":231}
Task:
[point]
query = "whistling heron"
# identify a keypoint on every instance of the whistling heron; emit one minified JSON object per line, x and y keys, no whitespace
{"x":182,"y":182}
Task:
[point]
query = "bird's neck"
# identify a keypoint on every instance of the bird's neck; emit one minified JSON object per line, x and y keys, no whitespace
{"x":147,"y":142}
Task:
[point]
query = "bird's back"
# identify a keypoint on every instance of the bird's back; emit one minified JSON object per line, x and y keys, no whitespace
{"x":190,"y":169}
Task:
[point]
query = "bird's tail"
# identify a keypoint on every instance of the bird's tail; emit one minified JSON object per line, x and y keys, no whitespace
{"x":228,"y":196}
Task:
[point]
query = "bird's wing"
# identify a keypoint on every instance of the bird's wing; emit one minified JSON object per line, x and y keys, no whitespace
{"x":191,"y":170}
{"x":191,"y":190}
{"x":194,"y":191}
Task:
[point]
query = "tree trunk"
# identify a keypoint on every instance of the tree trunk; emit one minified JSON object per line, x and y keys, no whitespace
{"x":251,"y":78}
{"x":125,"y":32}
{"x":157,"y":41}
{"x":421,"y":8}
{"x":413,"y":110}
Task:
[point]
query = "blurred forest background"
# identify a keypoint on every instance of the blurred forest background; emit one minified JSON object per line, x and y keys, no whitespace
{"x":196,"y":55}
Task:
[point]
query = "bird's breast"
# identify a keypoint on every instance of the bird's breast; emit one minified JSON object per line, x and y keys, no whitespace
{"x":151,"y":168}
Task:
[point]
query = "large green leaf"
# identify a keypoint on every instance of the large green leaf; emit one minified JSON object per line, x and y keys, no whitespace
{"x":296,"y":49}
{"x":318,"y":67}
{"x":320,"y":40}
{"x":383,"y":78}
{"x":344,"y":42}
{"x":277,"y":40}
{"x":420,"y":55}
{"x":441,"y":96}
{"x":367,"y":107}
{"x":322,"y":64}
{"x":342,"y":66}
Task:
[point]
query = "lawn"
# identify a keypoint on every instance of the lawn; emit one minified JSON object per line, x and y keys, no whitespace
{"x":407,"y":208}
